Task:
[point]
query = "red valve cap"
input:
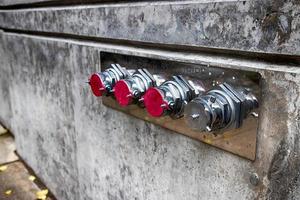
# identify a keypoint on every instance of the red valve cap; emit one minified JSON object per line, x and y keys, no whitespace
{"x":123,"y":93}
{"x":154,"y":102}
{"x":97,"y":85}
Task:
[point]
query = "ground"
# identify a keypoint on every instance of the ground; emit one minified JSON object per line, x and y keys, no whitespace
{"x":17,"y":181}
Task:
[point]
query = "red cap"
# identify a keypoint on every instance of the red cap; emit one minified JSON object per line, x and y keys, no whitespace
{"x":154,"y":102}
{"x":97,"y":85}
{"x":123,"y":93}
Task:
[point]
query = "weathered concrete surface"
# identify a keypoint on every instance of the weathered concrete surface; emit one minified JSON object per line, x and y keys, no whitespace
{"x":44,"y":3}
{"x":5,"y":105}
{"x":268,"y":26}
{"x":29,"y":3}
{"x":83,"y":150}
{"x":55,"y":128}
{"x":16,"y":2}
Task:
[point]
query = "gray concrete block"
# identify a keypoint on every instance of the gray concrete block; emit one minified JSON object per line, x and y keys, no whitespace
{"x":5,"y":105}
{"x":84,"y":150}
{"x":256,"y":26}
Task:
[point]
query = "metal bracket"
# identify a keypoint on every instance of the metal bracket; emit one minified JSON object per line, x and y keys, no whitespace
{"x":240,"y":141}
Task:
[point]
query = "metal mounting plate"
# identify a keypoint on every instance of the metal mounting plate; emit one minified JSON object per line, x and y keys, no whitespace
{"x":240,"y":141}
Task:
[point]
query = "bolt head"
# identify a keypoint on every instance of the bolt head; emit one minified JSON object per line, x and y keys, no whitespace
{"x":254,"y":179}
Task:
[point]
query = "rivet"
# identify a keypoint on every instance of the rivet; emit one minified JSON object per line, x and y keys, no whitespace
{"x":254,"y":179}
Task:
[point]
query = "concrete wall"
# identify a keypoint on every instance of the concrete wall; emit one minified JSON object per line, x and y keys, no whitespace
{"x":84,"y":150}
{"x":256,"y":26}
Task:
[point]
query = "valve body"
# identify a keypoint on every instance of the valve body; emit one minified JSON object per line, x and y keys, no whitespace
{"x":103,"y":82}
{"x":223,"y":107}
{"x":133,"y":87}
{"x":170,"y":97}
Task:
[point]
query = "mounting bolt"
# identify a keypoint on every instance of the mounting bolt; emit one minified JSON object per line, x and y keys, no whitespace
{"x":254,"y":179}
